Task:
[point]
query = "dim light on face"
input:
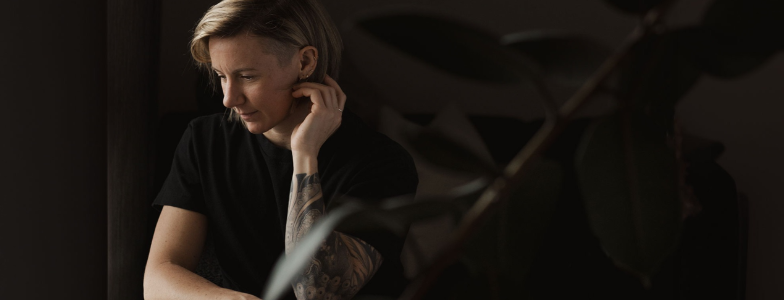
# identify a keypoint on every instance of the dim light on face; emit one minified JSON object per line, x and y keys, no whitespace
{"x":255,"y":84}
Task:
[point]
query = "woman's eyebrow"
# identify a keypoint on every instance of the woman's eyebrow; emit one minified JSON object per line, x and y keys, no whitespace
{"x":236,"y":71}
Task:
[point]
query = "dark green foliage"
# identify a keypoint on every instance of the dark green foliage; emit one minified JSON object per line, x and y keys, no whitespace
{"x":630,"y":181}
{"x":497,"y":258}
{"x":628,"y":178}
{"x":565,"y":58}
{"x":757,"y":18}
{"x":448,"y":45}
{"x":506,"y":245}
{"x":634,"y":6}
{"x":396,"y":214}
{"x":737,"y":36}
{"x":445,"y":153}
{"x":658,"y":73}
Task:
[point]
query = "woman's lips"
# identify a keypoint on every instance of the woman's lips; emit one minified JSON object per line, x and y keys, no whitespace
{"x":247,"y":116}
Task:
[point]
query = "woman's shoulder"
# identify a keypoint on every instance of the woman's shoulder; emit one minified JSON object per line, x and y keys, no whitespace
{"x":377,"y":165}
{"x":363,"y":143}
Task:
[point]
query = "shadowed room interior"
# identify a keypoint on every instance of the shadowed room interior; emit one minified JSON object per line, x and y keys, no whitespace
{"x":109,"y":87}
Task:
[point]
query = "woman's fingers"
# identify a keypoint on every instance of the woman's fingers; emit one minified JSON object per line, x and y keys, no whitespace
{"x":316,"y":95}
{"x":335,"y":99}
{"x":340,"y":96}
{"x":331,"y":96}
{"x":328,"y":94}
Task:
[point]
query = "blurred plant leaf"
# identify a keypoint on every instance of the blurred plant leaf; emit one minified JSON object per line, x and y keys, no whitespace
{"x":759,"y":18}
{"x":395,"y":220}
{"x":565,"y":58}
{"x":443,"y":152}
{"x":451,"y":46}
{"x":423,"y":210}
{"x":698,"y":149}
{"x":396,"y":214}
{"x":373,"y":220}
{"x":634,"y":6}
{"x":528,"y":214}
{"x":470,"y":189}
{"x":506,"y":244}
{"x":722,"y":54}
{"x":461,"y":280}
{"x":736,"y":36}
{"x":466,"y":195}
{"x":659,"y":72}
{"x":288,"y":266}
{"x":630,"y":188}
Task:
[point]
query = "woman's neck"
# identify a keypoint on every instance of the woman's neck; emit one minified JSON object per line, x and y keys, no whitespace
{"x":280,"y":135}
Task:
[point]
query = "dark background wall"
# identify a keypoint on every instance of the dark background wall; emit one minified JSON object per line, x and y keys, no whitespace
{"x":53,"y":57}
{"x":53,"y":231}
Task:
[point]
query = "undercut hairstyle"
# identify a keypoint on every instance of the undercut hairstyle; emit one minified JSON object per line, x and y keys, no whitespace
{"x":286,"y":25}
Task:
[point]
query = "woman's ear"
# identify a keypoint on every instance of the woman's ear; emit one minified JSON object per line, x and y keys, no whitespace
{"x":308,"y":60}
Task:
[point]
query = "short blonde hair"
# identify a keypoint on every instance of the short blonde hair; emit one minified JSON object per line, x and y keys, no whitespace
{"x":290,"y":25}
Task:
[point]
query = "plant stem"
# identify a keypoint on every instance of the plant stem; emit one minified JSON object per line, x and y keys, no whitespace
{"x":513,"y":173}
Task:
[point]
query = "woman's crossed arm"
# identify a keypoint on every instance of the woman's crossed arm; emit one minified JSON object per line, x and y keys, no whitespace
{"x":343,"y":264}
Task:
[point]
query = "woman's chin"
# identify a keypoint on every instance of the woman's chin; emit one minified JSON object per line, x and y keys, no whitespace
{"x":255,"y":128}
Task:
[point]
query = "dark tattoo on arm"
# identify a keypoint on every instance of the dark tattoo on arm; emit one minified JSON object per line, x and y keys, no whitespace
{"x":342,"y":265}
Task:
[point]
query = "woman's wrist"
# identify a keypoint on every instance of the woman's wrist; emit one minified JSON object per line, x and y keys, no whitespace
{"x":304,"y":149}
{"x":304,"y":162}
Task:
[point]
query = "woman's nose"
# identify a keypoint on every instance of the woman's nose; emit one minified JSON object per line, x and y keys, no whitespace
{"x":231,"y":94}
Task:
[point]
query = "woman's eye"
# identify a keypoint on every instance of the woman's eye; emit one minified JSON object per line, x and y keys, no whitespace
{"x":246,"y":77}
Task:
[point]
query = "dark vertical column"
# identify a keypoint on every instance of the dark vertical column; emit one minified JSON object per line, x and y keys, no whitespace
{"x":132,"y":50}
{"x":53,"y":149}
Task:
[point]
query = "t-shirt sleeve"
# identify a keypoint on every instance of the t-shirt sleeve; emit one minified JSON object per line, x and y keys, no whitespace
{"x":182,"y":187}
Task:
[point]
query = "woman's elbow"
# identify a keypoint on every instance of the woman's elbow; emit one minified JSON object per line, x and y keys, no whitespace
{"x":151,"y":290}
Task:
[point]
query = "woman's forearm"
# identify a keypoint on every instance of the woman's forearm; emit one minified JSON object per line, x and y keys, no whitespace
{"x":172,"y":282}
{"x":306,"y":204}
{"x":343,"y":264}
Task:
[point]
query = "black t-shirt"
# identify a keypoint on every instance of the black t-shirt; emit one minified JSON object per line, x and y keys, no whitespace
{"x":241,"y":182}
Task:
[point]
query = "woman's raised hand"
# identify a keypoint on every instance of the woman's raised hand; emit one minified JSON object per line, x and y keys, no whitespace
{"x":326,"y":113}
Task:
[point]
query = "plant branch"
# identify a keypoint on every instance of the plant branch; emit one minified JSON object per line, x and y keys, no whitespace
{"x":513,"y":173}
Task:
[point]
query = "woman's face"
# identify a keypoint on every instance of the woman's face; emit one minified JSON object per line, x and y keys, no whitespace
{"x":254,"y":83}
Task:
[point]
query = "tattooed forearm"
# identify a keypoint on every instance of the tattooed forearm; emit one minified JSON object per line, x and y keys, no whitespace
{"x":342,"y":265}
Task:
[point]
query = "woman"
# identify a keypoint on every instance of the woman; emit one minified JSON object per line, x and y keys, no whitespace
{"x":259,"y":179}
